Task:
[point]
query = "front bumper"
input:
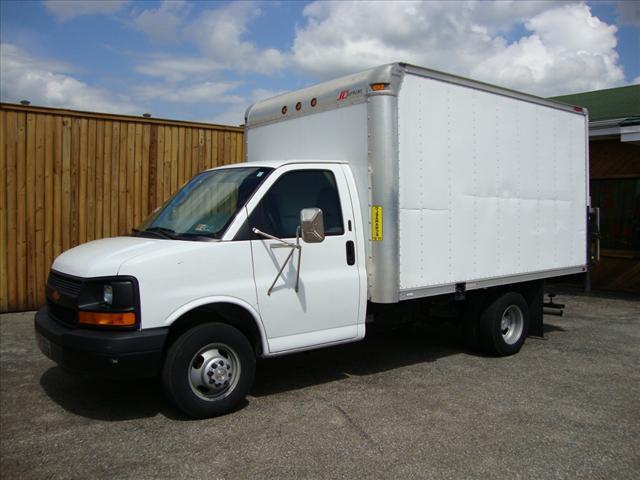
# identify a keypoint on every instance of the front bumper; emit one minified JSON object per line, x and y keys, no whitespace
{"x":113,"y":354}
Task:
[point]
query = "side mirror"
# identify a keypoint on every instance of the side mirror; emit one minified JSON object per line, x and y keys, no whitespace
{"x":312,"y":225}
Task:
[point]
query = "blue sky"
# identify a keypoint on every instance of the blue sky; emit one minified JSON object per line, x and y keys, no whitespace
{"x":208,"y":61}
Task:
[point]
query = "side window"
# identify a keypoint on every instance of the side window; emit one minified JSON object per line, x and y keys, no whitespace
{"x":279,"y":210}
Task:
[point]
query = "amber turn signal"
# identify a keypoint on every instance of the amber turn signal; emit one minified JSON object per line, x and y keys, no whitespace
{"x":376,"y":87}
{"x":126,"y":319}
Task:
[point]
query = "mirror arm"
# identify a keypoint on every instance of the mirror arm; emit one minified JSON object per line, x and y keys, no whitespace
{"x":299,"y":248}
{"x":271,"y":237}
{"x":294,"y":247}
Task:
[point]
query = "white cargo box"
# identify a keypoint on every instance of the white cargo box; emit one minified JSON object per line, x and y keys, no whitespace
{"x":476,"y":185}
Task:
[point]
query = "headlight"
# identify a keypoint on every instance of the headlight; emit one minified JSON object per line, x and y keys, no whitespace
{"x":109,"y":301}
{"x":107,"y":294}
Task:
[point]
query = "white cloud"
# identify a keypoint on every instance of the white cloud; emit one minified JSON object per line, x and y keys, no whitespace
{"x":65,"y":10}
{"x":568,"y":51}
{"x":234,"y":115}
{"x":207,"y":92}
{"x":219,"y":33}
{"x":635,"y":81}
{"x":163,"y":24}
{"x":565,"y":48}
{"x":176,"y":68}
{"x":46,"y":82}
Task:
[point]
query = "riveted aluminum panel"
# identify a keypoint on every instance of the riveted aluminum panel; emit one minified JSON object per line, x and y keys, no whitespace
{"x":490,"y":185}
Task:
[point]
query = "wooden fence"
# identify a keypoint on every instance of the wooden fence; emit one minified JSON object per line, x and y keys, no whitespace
{"x":68,"y":177}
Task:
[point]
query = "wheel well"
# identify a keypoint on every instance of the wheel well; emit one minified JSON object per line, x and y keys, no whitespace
{"x":228,"y":313}
{"x":533,"y":293}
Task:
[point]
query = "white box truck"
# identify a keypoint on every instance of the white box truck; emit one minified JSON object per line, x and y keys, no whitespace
{"x":394,"y":187}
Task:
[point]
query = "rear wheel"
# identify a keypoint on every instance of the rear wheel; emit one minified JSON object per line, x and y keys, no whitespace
{"x":209,"y":370}
{"x":504,"y":324}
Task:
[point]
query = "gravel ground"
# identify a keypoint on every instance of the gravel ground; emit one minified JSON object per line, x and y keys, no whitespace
{"x":404,"y":404}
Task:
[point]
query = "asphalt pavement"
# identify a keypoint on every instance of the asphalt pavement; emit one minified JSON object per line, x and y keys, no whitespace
{"x":408,"y":403}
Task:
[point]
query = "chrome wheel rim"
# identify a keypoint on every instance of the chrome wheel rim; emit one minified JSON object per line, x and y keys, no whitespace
{"x":214,"y":371}
{"x":512,"y":324}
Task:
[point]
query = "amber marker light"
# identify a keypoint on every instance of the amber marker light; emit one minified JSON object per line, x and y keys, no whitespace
{"x":376,"y":87}
{"x":126,"y":319}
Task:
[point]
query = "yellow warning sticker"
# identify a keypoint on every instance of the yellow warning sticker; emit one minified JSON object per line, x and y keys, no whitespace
{"x":376,"y":223}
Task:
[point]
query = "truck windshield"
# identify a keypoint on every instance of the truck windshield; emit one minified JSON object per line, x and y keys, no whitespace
{"x":205,"y":206}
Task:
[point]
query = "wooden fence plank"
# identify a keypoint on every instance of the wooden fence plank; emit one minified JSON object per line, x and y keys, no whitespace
{"x":214,"y":149}
{"x":122,"y":182}
{"x":30,"y":195}
{"x":227,"y":148}
{"x":66,"y":183}
{"x":107,"y":160}
{"x":146,"y":147}
{"x":202,"y":147}
{"x":240,"y":157}
{"x":21,"y":205}
{"x":181,"y":156}
{"x":130,"y":164}
{"x":166,"y":184}
{"x":57,"y":189}
{"x":48,"y":192}
{"x":207,"y":149}
{"x":38,"y":252}
{"x":76,"y":142}
{"x":115,"y":178}
{"x":99,"y":178}
{"x":221,"y":158}
{"x":174,"y":159}
{"x":4,"y":287}
{"x":11,"y":137}
{"x":232,"y":148}
{"x":194,"y":153}
{"x":81,"y":159}
{"x":188,"y":172}
{"x":89,"y":218}
{"x":153,"y":167}
{"x":137,"y":177}
{"x":160,"y":167}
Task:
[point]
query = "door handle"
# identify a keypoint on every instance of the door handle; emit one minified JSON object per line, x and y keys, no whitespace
{"x":351,"y":253}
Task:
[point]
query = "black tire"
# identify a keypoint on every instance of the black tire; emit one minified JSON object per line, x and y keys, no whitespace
{"x":494,"y":338}
{"x":212,"y":351}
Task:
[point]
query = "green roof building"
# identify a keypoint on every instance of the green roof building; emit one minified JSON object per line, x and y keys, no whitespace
{"x":614,"y":170}
{"x":612,"y":112}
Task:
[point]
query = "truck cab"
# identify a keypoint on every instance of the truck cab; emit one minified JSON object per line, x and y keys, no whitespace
{"x":255,"y":259}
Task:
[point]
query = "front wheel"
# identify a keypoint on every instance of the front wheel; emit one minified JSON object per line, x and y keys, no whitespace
{"x":209,"y":370}
{"x":504,"y":324}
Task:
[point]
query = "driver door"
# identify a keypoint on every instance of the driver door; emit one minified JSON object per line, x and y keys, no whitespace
{"x":326,"y":307}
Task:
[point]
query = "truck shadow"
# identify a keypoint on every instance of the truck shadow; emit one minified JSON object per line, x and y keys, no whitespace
{"x":106,"y":400}
{"x":113,"y":401}
{"x":378,"y":352}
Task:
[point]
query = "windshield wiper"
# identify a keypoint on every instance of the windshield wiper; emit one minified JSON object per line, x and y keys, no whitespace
{"x":162,"y":232}
{"x":198,"y":236}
